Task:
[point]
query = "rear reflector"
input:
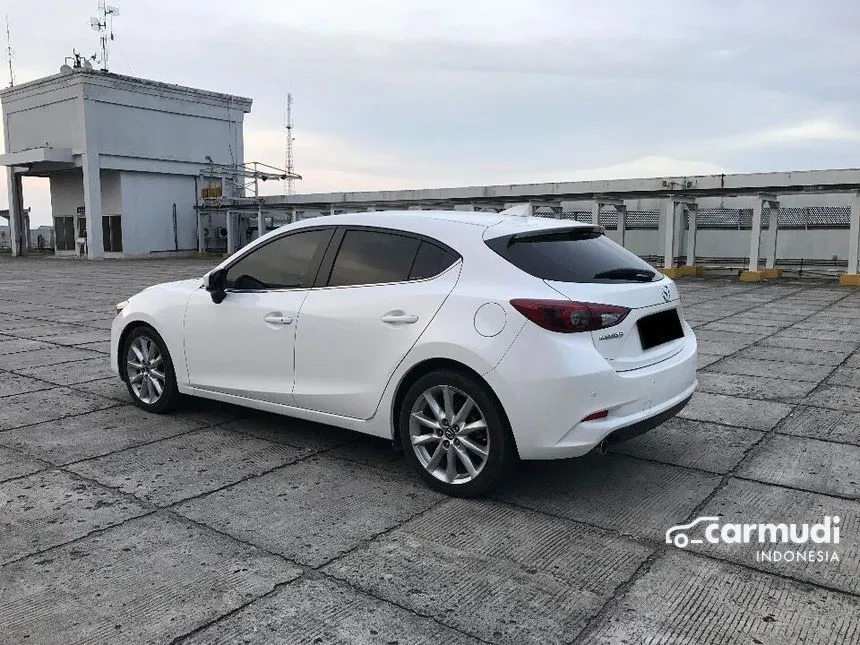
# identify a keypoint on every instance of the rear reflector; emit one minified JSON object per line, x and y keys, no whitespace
{"x":567,"y":316}
{"x":597,"y":415}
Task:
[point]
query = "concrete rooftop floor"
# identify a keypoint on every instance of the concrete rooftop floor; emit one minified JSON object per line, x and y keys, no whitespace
{"x":219,"y":524}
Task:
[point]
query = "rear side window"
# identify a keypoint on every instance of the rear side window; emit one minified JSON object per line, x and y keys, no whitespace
{"x":430,"y":261}
{"x":372,"y":257}
{"x":573,"y":255}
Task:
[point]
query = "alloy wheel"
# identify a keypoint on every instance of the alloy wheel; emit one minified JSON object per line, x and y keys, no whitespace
{"x":145,"y":369}
{"x":448,"y":432}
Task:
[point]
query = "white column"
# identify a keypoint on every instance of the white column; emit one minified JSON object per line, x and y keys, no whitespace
{"x":755,"y":236}
{"x":201,"y":238}
{"x":692,"y":214}
{"x":669,"y":233}
{"x":25,"y":229}
{"x":261,"y":224}
{"x":331,"y":210}
{"x":595,"y":213}
{"x":854,"y":234}
{"x":93,"y":205}
{"x":231,"y":233}
{"x":293,"y":216}
{"x":16,"y":205}
{"x":773,"y":232}
{"x":622,"y":222}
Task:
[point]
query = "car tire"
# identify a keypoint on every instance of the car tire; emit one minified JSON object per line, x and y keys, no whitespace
{"x":147,"y":368}
{"x":466,"y":423}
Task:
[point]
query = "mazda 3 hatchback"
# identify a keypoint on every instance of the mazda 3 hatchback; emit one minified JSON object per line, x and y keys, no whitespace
{"x":473,"y":340}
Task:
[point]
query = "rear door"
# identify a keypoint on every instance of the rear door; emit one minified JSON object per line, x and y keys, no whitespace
{"x":584,"y":265}
{"x":379,"y":290}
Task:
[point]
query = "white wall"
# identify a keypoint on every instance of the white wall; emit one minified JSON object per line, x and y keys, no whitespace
{"x":67,"y":193}
{"x":147,"y":209}
{"x":791,"y":244}
{"x":60,"y":125}
{"x":126,"y":131}
{"x":111,"y":193}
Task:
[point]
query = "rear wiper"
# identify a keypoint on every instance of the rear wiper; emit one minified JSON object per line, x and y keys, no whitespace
{"x":641,"y":275}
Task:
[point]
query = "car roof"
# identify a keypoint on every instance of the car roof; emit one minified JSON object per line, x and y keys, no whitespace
{"x":407,"y":218}
{"x":461,"y":230}
{"x":490,"y":224}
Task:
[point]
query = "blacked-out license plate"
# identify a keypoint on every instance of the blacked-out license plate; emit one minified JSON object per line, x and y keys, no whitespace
{"x":659,"y":328}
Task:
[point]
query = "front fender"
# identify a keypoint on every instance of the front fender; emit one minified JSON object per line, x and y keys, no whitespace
{"x":163,"y":309}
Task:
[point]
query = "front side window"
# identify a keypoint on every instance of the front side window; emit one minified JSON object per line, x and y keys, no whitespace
{"x":287,"y":262}
{"x":373,"y":257}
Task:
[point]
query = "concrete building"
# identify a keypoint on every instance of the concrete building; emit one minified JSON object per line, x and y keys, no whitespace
{"x":124,"y":157}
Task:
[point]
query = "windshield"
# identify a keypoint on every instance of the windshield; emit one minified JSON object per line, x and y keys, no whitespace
{"x":579,"y":254}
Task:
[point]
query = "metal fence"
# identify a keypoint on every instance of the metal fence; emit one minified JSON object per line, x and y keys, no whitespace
{"x":809,"y":217}
{"x":609,"y":218}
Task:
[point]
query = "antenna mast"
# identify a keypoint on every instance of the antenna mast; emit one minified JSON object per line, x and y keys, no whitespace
{"x":9,"y":52}
{"x":291,"y":183}
{"x":104,"y":25}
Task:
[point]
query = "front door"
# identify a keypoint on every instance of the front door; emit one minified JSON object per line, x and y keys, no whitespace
{"x":245,"y":345}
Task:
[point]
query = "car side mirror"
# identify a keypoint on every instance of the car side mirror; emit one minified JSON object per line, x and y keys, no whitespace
{"x":216,"y":284}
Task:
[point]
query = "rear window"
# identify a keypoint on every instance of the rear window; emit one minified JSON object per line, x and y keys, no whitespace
{"x":573,"y":255}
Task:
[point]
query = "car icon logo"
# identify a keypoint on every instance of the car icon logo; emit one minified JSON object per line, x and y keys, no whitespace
{"x":677,"y":535}
{"x":667,"y":293}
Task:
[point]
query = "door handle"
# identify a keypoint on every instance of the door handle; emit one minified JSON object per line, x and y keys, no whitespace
{"x":402,"y":319}
{"x":277,"y":319}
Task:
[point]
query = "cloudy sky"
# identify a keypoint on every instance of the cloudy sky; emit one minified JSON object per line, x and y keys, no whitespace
{"x":422,"y":93}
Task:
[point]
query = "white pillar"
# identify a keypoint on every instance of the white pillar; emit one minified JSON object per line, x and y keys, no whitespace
{"x":692,"y":214}
{"x":773,"y":232}
{"x":293,"y":216}
{"x":25,"y":230}
{"x":93,"y":205}
{"x":622,"y":222}
{"x":231,"y":233}
{"x":854,"y":234}
{"x":201,"y":238}
{"x":331,"y":210}
{"x":755,"y":236}
{"x":669,"y":207}
{"x":261,"y":224}
{"x":16,"y":207}
{"x":595,"y":213}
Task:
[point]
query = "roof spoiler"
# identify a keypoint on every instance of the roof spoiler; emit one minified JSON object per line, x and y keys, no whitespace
{"x":551,"y":232}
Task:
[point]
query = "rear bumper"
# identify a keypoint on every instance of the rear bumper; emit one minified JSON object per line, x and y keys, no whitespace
{"x":550,"y":382}
{"x":641,"y":427}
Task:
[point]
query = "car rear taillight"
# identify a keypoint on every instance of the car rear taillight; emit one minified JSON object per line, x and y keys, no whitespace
{"x":567,"y":316}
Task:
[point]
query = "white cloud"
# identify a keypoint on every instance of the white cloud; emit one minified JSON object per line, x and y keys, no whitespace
{"x":815,"y":130}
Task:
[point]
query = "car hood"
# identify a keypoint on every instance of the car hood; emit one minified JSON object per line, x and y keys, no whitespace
{"x":178,"y":285}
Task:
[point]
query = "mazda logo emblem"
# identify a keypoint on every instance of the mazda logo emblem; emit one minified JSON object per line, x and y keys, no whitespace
{"x":667,"y":293}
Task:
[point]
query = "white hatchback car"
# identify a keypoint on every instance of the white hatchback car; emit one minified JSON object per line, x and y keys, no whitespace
{"x":471,"y":339}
